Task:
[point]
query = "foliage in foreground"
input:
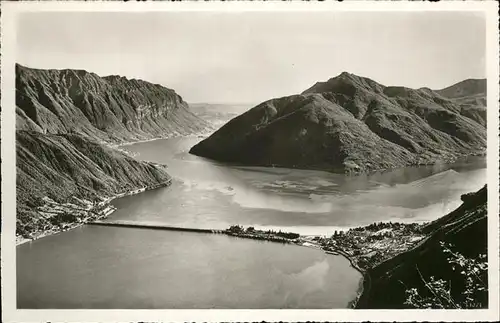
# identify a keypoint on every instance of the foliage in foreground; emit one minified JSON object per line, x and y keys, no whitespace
{"x":438,"y":294}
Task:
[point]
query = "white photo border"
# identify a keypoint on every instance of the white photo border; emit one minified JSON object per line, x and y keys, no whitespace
{"x":10,"y":313}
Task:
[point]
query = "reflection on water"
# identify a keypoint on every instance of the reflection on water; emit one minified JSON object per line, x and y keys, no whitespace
{"x":214,"y":195}
{"x":103,"y":267}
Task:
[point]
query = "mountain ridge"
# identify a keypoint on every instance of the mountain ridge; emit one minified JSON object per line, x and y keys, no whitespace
{"x":349,"y":124}
{"x":66,"y":123}
{"x":111,"y":109}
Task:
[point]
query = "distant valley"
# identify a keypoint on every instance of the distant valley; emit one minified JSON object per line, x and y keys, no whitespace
{"x":218,"y":113}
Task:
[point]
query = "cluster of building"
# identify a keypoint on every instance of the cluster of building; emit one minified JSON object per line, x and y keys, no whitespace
{"x":68,"y":215}
{"x":364,"y":246}
{"x":373,"y":244}
{"x":56,"y":217}
{"x":80,"y":211}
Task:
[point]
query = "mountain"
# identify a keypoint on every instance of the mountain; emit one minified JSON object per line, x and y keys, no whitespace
{"x":112,"y":109}
{"x":350,"y":124}
{"x":66,"y":121}
{"x":67,"y":166}
{"x":465,"y":229}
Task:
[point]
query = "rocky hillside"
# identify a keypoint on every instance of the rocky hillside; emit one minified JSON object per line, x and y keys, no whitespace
{"x":66,"y":121}
{"x":465,"y":229}
{"x":350,"y":124}
{"x":113,"y":109}
{"x":62,"y":167}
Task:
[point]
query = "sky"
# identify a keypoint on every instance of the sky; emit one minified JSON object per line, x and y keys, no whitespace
{"x":250,"y":57}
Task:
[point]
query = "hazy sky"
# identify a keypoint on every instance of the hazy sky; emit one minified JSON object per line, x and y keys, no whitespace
{"x":252,"y":57}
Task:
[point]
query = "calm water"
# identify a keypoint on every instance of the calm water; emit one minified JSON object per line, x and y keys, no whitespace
{"x":208,"y":194}
{"x":103,"y":267}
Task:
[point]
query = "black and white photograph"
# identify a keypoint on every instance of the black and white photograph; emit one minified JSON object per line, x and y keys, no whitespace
{"x":250,"y":156}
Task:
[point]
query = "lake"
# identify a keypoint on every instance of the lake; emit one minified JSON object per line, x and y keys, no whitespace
{"x":207,"y":194}
{"x":104,"y":267}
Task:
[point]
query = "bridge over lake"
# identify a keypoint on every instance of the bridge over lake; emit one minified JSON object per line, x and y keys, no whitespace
{"x":149,"y":225}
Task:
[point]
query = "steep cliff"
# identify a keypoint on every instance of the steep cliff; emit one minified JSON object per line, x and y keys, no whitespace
{"x":62,"y":167}
{"x":349,"y":124}
{"x":112,"y":109}
{"x":465,"y":229}
{"x":66,"y":121}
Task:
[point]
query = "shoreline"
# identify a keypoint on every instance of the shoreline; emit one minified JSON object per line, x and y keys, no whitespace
{"x":172,"y":136}
{"x":364,"y":277}
{"x":107,"y":203}
{"x":129,"y":143}
{"x":204,"y":134}
{"x":343,"y":171}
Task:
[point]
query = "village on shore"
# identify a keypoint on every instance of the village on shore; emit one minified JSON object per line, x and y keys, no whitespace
{"x":365,"y":246}
{"x":66,"y":216}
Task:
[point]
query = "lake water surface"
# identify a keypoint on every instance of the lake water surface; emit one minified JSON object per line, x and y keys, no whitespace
{"x":104,"y":267}
{"x":207,"y":194}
